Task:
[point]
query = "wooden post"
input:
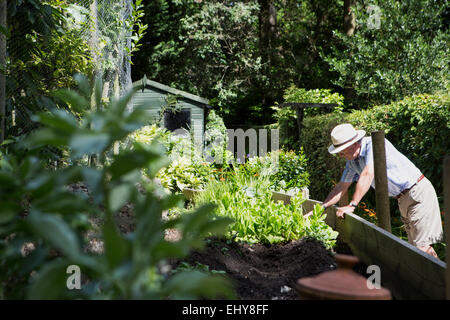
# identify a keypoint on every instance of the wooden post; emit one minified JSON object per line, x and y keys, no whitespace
{"x":447,"y":223}
{"x":300,"y":113}
{"x":299,"y":109}
{"x":381,"y":185}
{"x":3,"y":7}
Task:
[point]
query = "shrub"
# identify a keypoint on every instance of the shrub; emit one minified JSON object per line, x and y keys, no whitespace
{"x":257,"y":219}
{"x":39,"y":209}
{"x":151,"y":133}
{"x":323,"y":168}
{"x":291,"y":171}
{"x":286,"y":170}
{"x":188,"y":168}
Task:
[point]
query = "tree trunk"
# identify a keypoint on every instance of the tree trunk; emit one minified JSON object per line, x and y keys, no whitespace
{"x":349,"y":29}
{"x":349,"y":17}
{"x":267,"y":29}
{"x":93,"y":43}
{"x":2,"y":75}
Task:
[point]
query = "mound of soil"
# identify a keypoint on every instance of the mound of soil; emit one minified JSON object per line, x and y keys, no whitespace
{"x":265,"y":272}
{"x":259,"y":272}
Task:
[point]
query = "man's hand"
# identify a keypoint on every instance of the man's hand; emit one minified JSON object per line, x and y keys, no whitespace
{"x":342,"y":210}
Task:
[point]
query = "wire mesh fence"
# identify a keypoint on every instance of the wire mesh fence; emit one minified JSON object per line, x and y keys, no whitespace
{"x":48,"y":42}
{"x":106,"y":25}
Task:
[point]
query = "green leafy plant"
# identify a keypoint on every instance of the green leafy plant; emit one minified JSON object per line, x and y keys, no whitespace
{"x":189,"y":166}
{"x":286,"y":170}
{"x":44,"y":53}
{"x":40,"y":212}
{"x":391,"y":61}
{"x":135,"y":26}
{"x":315,"y":227}
{"x":186,"y":169}
{"x":291,"y":171}
{"x":259,"y":219}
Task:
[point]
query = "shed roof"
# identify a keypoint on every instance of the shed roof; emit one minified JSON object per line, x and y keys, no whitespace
{"x":140,"y":84}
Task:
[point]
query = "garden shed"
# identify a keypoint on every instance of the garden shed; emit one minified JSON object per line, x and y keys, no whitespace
{"x":174,"y":108}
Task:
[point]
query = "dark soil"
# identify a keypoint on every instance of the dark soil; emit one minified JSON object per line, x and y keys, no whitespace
{"x":265,"y":272}
{"x":259,"y":272}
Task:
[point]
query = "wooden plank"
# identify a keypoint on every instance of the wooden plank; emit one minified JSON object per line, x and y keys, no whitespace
{"x":446,"y":182}
{"x":149,"y":104}
{"x":144,"y":98}
{"x":196,"y":109}
{"x":197,"y":117}
{"x":149,"y":94}
{"x":407,"y":271}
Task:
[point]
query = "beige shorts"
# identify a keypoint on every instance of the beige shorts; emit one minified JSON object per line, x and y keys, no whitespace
{"x":419,"y":208}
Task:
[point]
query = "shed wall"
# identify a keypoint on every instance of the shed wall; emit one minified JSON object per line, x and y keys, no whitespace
{"x":153,"y":99}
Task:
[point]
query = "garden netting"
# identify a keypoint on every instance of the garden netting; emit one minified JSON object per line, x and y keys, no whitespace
{"x":98,"y":29}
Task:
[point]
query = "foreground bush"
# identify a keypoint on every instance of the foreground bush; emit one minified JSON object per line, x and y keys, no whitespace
{"x":42,"y":222}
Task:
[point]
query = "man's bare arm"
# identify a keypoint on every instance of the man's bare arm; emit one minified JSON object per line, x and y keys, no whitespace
{"x":363,"y":184}
{"x":336,"y":194}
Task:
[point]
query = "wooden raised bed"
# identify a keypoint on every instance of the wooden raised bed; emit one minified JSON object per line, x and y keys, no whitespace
{"x":405,"y":270}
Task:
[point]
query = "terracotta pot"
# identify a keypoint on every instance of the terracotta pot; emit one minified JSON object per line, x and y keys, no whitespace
{"x":340,"y":284}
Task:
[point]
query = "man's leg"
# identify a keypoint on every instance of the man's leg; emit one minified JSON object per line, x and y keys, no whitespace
{"x":424,"y":225}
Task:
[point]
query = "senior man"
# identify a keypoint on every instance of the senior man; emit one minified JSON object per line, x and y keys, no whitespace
{"x":417,"y":200}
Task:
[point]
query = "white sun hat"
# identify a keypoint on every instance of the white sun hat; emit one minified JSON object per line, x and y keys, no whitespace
{"x":343,"y":136}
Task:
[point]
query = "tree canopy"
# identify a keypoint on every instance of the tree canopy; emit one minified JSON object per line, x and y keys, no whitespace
{"x":243,"y":55}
